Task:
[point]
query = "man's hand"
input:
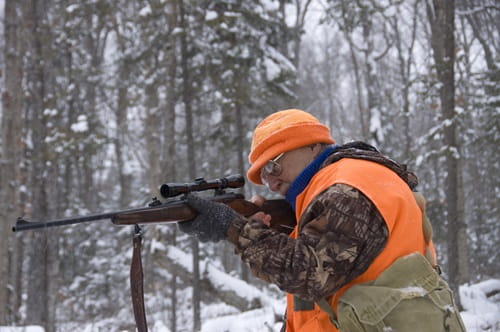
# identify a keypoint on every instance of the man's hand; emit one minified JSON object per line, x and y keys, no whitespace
{"x":265,"y":218}
{"x":212,"y":221}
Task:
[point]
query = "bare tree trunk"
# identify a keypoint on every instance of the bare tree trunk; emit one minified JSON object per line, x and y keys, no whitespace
{"x":152,"y":132}
{"x":37,"y":309}
{"x":441,"y":18}
{"x":300,"y":20}
{"x":187,"y":96}
{"x":282,"y":43}
{"x":371,"y":85}
{"x":15,"y":299}
{"x":405,"y":65}
{"x":121,"y":118}
{"x":94,"y":42}
{"x":245,"y":271}
{"x":169,"y":159}
{"x":121,"y":132}
{"x":365,"y":131}
{"x":10,"y":159}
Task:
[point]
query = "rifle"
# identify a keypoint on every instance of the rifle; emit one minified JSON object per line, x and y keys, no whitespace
{"x":172,"y":210}
{"x":177,"y":210}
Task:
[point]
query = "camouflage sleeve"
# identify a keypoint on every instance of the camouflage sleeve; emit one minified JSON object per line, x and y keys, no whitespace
{"x":340,"y":234}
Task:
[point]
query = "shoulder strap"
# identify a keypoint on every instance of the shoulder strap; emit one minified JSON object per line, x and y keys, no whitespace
{"x":427,"y":230}
{"x":136,"y":283}
{"x":327,"y":308}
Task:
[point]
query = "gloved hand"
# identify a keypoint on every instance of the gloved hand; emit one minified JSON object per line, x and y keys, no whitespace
{"x":212,"y":221}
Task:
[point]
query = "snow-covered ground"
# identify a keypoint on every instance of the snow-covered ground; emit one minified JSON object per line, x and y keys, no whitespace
{"x":481,"y":313}
{"x":21,"y":329}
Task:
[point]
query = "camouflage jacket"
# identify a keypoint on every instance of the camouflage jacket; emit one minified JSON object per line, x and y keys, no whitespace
{"x":340,"y":233}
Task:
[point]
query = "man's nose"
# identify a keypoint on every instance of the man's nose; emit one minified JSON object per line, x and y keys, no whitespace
{"x":274,"y":183}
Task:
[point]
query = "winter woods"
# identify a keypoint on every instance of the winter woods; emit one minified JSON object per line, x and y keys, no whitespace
{"x":104,"y":100}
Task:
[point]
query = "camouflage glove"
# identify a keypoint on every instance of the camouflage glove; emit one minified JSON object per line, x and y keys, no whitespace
{"x":212,"y":221}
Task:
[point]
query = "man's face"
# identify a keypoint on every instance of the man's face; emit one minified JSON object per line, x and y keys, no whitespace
{"x":292,"y":164}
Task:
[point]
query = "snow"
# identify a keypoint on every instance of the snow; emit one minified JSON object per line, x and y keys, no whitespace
{"x":391,"y":10}
{"x":251,"y":321}
{"x":72,"y":8}
{"x":272,"y":69}
{"x":81,"y":125}
{"x":480,"y":313}
{"x":269,"y":5}
{"x":224,"y":281}
{"x":176,"y":31}
{"x":211,"y":15}
{"x":50,"y":112}
{"x":146,"y":11}
{"x":413,"y":291}
{"x":181,"y":257}
{"x":30,"y":328}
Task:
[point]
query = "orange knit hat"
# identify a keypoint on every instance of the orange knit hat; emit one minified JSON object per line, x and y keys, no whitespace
{"x":280,"y":132}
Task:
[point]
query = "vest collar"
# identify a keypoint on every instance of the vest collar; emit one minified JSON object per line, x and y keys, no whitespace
{"x":301,"y":182}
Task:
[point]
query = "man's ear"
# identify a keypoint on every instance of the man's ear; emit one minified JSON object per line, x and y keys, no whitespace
{"x":317,"y":147}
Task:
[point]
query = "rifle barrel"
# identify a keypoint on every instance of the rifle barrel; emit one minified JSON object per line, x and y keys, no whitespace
{"x":24,"y":225}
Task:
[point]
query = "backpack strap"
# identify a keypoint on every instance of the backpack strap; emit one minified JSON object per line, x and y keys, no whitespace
{"x":327,"y":308}
{"x":427,"y":231}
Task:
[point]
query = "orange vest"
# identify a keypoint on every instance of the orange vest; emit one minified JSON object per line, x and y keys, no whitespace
{"x":395,"y":202}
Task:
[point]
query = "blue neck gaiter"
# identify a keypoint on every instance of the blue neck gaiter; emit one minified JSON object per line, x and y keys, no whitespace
{"x":301,"y":182}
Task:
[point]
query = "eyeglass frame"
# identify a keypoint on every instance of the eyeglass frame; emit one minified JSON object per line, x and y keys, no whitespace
{"x":272,"y":167}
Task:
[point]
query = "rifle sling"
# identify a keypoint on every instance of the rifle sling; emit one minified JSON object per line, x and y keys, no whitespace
{"x":136,"y":283}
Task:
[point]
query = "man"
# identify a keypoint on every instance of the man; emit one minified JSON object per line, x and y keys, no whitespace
{"x":359,"y":258}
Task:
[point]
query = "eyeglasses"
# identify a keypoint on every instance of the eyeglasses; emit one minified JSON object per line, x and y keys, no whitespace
{"x":272,"y":167}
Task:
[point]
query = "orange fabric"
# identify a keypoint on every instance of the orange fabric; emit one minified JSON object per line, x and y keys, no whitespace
{"x":396,"y":203}
{"x":307,"y":321}
{"x":280,"y":132}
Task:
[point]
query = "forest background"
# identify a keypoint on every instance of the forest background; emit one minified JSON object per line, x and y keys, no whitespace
{"x":103,"y":100}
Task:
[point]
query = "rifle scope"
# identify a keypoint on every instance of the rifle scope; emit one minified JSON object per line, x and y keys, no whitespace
{"x":168,"y":190}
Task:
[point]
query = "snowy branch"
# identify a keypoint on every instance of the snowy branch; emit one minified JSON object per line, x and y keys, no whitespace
{"x":218,"y":283}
